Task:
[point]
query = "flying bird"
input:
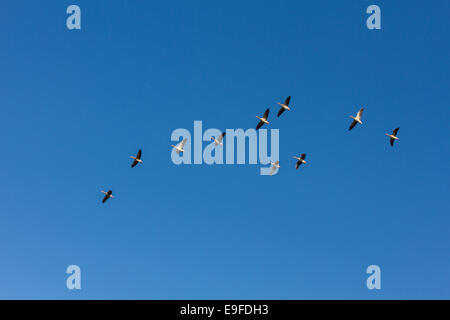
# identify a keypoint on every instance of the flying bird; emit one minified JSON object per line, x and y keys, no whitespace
{"x":137,"y":159}
{"x":356,"y":119}
{"x":275,"y":166}
{"x":284,"y":106}
{"x":179,"y":147}
{"x":218,"y":141}
{"x":263,"y":120}
{"x":107,"y":195}
{"x":300,"y":160}
{"x":393,"y":136}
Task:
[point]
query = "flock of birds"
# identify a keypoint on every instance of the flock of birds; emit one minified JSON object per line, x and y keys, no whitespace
{"x":262,"y":121}
{"x":357,"y":119}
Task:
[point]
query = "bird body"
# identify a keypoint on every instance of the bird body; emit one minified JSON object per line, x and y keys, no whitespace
{"x":179,"y":147}
{"x":356,"y":119}
{"x":393,"y":136}
{"x":263,"y":120}
{"x":218,"y":141}
{"x":275,"y":166}
{"x":137,"y":159}
{"x":107,"y":195}
{"x":300,"y":160}
{"x":284,"y":106}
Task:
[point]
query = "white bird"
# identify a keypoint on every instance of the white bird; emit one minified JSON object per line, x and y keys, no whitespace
{"x":179,"y":147}
{"x":300,"y":160}
{"x":218,"y":141}
{"x":263,"y":119}
{"x":275,"y":166}
{"x":284,"y":106}
{"x":107,"y":195}
{"x":356,"y":119}
{"x":393,"y":136}
{"x":137,"y":159}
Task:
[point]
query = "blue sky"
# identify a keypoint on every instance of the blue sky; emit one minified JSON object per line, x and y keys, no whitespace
{"x":76,"y":104}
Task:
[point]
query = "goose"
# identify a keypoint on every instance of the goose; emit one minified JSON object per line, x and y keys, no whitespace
{"x":263,"y":120}
{"x":393,"y":136}
{"x":356,"y":119}
{"x":107,"y":195}
{"x":275,"y":166}
{"x":300,"y":160}
{"x":179,"y":147}
{"x":218,"y":141}
{"x":137,"y":159}
{"x":284,"y":106}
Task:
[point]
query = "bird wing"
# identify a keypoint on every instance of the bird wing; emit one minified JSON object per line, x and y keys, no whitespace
{"x":280,"y":112}
{"x":286,"y":102}
{"x":303,"y":156}
{"x":135,"y":162}
{"x":266,"y":114}
{"x":182,"y":143}
{"x":220,"y":138}
{"x":353,"y":125}
{"x":298,"y":164}
{"x":107,"y":195}
{"x":260,"y":124}
{"x":392,"y":141}
{"x":360,"y":112}
{"x":139,"y":154}
{"x":395,"y":131}
{"x":272,"y":170}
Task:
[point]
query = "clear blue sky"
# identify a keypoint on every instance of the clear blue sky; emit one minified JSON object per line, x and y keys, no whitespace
{"x":76,"y":104}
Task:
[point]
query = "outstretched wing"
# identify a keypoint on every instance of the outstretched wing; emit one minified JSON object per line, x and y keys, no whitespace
{"x":139,"y":154}
{"x":272,"y":170}
{"x":182,"y":143}
{"x":260,"y":124}
{"x":134,"y":163}
{"x":298,"y":164}
{"x":395,"y":131}
{"x":266,"y":114}
{"x":303,"y":156}
{"x":360,"y":112}
{"x":220,"y":138}
{"x":107,"y":195}
{"x":353,"y":125}
{"x":280,"y":112}
{"x":286,"y":102}
{"x":392,"y":141}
